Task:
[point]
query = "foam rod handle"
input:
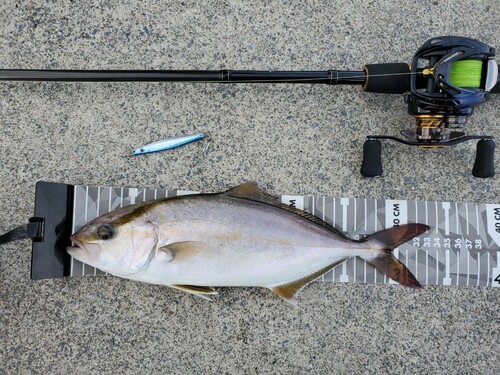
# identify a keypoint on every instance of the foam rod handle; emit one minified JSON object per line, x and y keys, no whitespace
{"x":484,"y":165}
{"x":372,"y":159}
{"x":387,"y":78}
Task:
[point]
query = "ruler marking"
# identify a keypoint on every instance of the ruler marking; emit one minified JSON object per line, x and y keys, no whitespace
{"x":437,"y":266}
{"x":456,"y":217}
{"x":344,"y":202}
{"x":406,"y":256}
{"x":458,"y":265}
{"x":426,"y":268}
{"x":467,"y":218}
{"x":354,"y":216}
{"x":324,"y":213}
{"x":477,"y":219}
{"x":468,"y":266}
{"x":488,"y":274}
{"x":334,"y":218}
{"x":86,"y":202}
{"x":446,"y":208}
{"x":109,"y":205}
{"x":447,"y":279}
{"x":364,"y":277}
{"x":437,"y":216}
{"x":478,"y":268}
{"x":354,"y":268}
{"x":366,"y":215}
{"x":416,"y":262}
{"x":98,"y":203}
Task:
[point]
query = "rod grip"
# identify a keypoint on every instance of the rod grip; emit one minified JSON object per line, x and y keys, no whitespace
{"x":393,"y":78}
{"x":372,"y":159}
{"x":484,"y":165}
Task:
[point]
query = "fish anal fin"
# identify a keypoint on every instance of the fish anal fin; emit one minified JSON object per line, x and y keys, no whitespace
{"x":290,"y":291}
{"x":250,"y":190}
{"x":195,"y":289}
{"x":184,"y":250}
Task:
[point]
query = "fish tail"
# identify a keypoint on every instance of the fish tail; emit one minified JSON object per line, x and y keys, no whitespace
{"x":388,"y":239}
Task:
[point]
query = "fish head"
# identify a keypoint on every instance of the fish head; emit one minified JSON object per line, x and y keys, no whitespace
{"x":121,"y":242}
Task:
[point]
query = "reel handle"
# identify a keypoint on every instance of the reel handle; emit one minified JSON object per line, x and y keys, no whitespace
{"x":484,"y":165}
{"x":372,"y":158}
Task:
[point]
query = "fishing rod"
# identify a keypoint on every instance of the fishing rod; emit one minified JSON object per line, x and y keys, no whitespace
{"x":446,"y":79}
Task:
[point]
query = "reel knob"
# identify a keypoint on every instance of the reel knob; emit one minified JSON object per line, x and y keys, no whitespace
{"x":484,"y":164}
{"x":372,"y":158}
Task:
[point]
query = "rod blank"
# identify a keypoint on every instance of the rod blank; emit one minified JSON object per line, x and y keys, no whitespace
{"x":223,"y":76}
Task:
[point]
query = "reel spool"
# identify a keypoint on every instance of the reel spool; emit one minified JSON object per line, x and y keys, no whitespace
{"x":448,"y":77}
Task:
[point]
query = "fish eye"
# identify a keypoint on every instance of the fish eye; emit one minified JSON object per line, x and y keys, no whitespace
{"x":105,"y":232}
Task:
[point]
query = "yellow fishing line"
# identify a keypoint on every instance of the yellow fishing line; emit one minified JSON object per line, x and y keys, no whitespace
{"x":466,"y":73}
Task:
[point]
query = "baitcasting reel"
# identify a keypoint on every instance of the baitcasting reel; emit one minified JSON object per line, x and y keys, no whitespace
{"x":448,"y":77}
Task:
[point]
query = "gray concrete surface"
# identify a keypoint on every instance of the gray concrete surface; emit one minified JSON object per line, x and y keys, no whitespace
{"x":294,"y":139}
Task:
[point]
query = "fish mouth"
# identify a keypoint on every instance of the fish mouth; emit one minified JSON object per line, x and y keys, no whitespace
{"x":83,"y":252}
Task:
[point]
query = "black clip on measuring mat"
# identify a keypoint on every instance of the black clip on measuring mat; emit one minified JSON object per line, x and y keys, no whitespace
{"x":49,"y":229}
{"x":462,"y":247}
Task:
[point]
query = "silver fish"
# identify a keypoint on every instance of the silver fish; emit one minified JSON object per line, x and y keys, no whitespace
{"x":240,"y":237}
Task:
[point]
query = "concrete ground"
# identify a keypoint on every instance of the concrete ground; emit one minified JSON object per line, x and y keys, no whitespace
{"x":292,"y":139}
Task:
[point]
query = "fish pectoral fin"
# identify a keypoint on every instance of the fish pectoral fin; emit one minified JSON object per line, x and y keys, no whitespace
{"x":290,"y":291}
{"x":200,"y":291}
{"x":184,"y":250}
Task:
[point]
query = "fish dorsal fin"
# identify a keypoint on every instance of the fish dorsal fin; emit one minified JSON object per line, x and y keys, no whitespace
{"x":314,"y":219}
{"x":250,"y":190}
{"x":184,"y":250}
{"x":290,"y":291}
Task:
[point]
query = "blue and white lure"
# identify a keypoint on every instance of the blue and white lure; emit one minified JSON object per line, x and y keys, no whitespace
{"x":167,"y":144}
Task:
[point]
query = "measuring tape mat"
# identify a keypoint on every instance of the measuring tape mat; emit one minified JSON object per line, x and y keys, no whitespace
{"x":462,"y":247}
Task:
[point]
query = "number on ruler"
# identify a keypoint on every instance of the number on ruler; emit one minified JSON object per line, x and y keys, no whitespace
{"x":497,"y":279}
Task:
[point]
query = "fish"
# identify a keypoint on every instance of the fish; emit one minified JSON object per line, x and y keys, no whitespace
{"x":242,"y":237}
{"x":167,"y":144}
